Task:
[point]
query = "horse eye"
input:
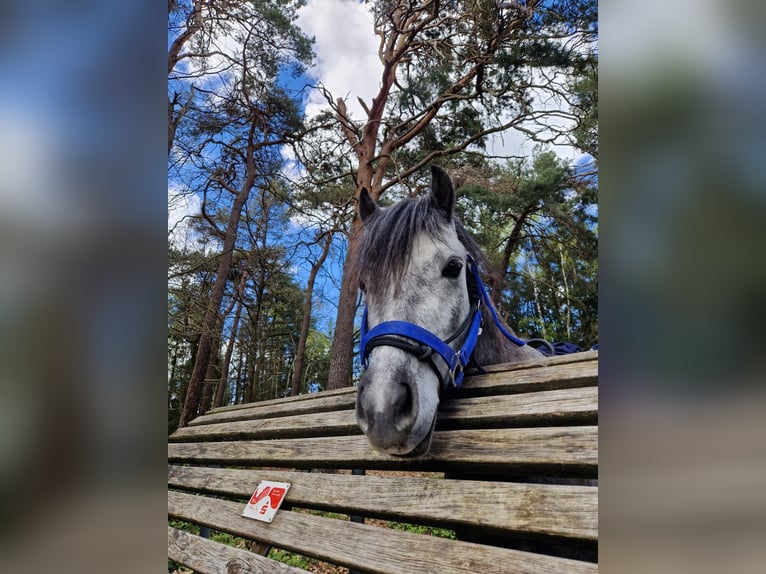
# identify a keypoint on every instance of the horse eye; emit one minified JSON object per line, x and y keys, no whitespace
{"x":362,"y":286}
{"x":453,"y":268}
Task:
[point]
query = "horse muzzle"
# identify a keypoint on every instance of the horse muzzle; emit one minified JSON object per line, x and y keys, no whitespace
{"x":390,"y":412}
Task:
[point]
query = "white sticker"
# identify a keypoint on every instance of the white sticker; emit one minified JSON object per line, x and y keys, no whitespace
{"x":266,"y":500}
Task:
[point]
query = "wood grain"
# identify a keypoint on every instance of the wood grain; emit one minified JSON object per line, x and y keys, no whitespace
{"x":283,"y":400}
{"x":556,"y":449}
{"x":369,"y":548}
{"x":317,"y":403}
{"x":208,"y":557}
{"x":568,"y":406}
{"x":579,"y":374}
{"x":565,"y":371}
{"x":543,"y":362}
{"x":545,"y":408}
{"x":543,"y":509}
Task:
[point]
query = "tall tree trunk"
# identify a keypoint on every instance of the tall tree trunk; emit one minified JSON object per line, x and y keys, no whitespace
{"x":510,"y":246}
{"x":254,"y":372}
{"x":400,"y":31}
{"x":211,"y":326}
{"x":566,"y":294}
{"x":224,"y":370}
{"x":300,"y":352}
{"x":211,"y":374}
{"x":219,"y":393}
{"x":238,"y":391}
{"x":247,"y":396}
{"x":538,"y":309}
{"x":173,"y":362}
{"x":342,"y":347}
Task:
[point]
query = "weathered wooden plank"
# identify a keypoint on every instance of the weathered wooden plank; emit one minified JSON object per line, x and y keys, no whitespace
{"x":578,"y":374}
{"x":543,"y":509}
{"x":283,"y":400}
{"x":343,"y":398}
{"x":208,"y":557}
{"x":319,"y":403}
{"x":568,"y":406}
{"x":546,"y":408}
{"x":547,"y":450}
{"x":365,"y":547}
{"x":331,"y":423}
{"x":543,"y":362}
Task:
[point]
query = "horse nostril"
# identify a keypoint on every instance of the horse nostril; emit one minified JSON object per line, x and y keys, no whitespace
{"x":405,"y":409}
{"x":404,"y":399}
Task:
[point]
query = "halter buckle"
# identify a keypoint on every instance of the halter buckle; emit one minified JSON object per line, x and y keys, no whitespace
{"x":454,"y":373}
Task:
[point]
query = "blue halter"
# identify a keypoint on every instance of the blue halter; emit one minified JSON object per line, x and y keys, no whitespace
{"x":424,"y":344}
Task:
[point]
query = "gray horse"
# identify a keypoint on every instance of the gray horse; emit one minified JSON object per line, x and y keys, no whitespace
{"x":413,"y":267}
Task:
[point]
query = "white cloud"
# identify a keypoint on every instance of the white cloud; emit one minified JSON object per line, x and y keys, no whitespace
{"x":347,"y":64}
{"x":554,"y":122}
{"x":182,"y":205}
{"x":509,"y":143}
{"x":347,"y":60}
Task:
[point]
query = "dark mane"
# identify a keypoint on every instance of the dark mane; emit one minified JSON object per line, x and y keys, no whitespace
{"x":388,"y":235}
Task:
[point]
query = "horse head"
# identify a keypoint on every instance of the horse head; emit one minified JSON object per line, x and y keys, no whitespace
{"x":427,"y":314}
{"x":412,"y":269}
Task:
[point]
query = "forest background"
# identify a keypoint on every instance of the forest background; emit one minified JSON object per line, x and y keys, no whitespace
{"x":279,"y":111}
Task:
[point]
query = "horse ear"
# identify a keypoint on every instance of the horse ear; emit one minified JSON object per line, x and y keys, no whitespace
{"x":442,"y":191}
{"x":367,"y":205}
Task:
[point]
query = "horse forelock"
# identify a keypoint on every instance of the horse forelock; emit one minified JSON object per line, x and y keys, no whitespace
{"x":387,"y":240}
{"x":389,"y":234}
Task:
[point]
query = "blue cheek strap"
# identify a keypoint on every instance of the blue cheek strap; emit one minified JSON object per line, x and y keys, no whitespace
{"x":424,"y":344}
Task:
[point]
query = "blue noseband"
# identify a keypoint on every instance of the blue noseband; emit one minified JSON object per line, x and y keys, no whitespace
{"x":424,"y":344}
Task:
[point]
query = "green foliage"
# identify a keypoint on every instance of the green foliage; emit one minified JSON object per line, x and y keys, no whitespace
{"x":539,"y":233}
{"x":420,"y":529}
{"x":317,"y":360}
{"x":229,"y":539}
{"x":269,"y":327}
{"x":289,"y":558}
{"x":585,"y":90}
{"x":185,"y":526}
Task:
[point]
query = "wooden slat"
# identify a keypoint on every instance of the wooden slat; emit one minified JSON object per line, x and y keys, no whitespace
{"x":559,"y":372}
{"x":208,"y":557}
{"x":296,"y":426}
{"x":283,"y":400}
{"x":362,"y":546}
{"x":557,"y":450}
{"x":542,"y":509}
{"x":546,"y":408}
{"x":319,"y":403}
{"x":578,"y":374}
{"x":544,"y":362}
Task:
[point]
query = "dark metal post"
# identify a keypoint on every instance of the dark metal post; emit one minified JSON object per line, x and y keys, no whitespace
{"x":353,"y":517}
